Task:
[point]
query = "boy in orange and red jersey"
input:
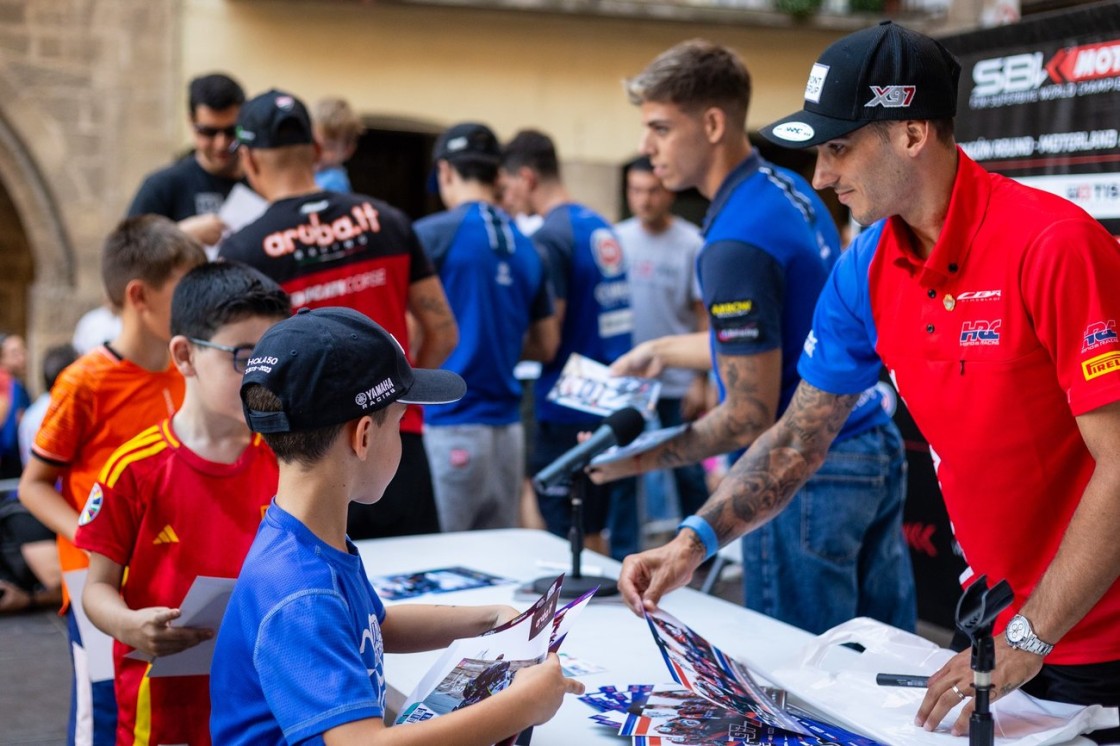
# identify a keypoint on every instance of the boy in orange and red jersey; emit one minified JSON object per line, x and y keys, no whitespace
{"x":182,"y":499}
{"x":98,"y":403}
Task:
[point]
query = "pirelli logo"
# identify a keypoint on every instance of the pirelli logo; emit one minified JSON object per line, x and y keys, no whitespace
{"x":1095,"y":367}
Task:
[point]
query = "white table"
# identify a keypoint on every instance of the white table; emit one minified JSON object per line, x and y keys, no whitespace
{"x":607,"y":633}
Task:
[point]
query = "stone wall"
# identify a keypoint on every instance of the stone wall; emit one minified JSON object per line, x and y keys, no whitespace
{"x":89,"y":98}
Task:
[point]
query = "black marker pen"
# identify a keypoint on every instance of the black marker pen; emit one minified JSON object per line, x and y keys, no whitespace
{"x":901,"y":679}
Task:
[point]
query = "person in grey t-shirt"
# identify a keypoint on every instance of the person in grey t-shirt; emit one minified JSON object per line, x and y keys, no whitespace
{"x":660,"y":250}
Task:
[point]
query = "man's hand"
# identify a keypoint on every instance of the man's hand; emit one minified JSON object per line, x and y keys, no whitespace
{"x":695,"y":401}
{"x":641,"y":361}
{"x":150,"y":631}
{"x":1013,"y":669}
{"x":612,"y":471}
{"x":206,"y":228}
{"x":648,"y":576}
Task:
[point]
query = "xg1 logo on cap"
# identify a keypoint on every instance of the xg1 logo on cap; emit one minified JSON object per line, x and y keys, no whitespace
{"x":793,"y":131}
{"x":892,"y":96}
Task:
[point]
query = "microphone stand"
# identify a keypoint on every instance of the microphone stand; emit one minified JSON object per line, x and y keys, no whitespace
{"x":977,"y":610}
{"x":575,"y":584}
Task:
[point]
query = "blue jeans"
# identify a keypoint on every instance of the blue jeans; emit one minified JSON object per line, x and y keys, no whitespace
{"x":837,"y":550}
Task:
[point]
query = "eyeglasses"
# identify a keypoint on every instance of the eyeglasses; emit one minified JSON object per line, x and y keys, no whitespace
{"x":240,"y":354}
{"x":211,"y":132}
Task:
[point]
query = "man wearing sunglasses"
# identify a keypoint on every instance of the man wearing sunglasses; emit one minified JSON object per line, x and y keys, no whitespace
{"x":192,"y":190}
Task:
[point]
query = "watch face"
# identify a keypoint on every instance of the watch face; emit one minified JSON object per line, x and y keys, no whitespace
{"x":1016,"y":629}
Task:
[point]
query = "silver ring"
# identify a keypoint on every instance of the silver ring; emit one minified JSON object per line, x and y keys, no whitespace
{"x":959,"y":693}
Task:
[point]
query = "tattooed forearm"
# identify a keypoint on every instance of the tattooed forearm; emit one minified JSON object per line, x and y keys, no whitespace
{"x":752,"y":383}
{"x":765,"y":479}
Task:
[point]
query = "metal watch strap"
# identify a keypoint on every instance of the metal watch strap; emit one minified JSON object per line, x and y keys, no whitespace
{"x":1031,"y":643}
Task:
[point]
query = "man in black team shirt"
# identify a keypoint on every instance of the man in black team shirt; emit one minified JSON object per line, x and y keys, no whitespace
{"x":192,"y":190}
{"x":332,"y":249}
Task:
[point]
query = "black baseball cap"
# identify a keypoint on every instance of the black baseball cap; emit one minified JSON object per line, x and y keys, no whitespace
{"x":274,"y":120}
{"x":883,"y":73}
{"x":462,"y":143}
{"x":332,"y":365}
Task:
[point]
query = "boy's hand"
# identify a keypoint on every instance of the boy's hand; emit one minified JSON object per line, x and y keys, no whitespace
{"x":503,"y":614}
{"x":150,"y":631}
{"x":542,"y":688}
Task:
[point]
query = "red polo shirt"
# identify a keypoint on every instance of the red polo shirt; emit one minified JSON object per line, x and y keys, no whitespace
{"x":997,"y":342}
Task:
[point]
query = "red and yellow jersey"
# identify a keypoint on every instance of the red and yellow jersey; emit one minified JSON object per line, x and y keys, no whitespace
{"x":168,"y":516}
{"x":97,"y":404}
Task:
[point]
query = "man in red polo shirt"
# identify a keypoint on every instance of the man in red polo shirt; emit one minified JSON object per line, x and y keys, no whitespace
{"x":993,"y":306}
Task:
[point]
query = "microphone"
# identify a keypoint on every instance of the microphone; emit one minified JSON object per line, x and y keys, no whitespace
{"x":620,"y":428}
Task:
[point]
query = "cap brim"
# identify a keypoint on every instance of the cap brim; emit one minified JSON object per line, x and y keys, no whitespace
{"x":434,"y":387}
{"x":804,"y":129}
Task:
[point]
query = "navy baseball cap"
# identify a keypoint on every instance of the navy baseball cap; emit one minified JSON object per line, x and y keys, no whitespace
{"x":883,"y":73}
{"x":332,"y":365}
{"x":274,"y":120}
{"x":464,"y":142}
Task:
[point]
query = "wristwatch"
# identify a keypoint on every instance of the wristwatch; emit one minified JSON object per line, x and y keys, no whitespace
{"x":1020,"y":634}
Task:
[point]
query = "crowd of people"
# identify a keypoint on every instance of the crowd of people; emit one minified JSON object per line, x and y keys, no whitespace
{"x":249,"y":417}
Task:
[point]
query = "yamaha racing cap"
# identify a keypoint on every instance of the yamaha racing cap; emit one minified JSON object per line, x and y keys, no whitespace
{"x":332,"y":365}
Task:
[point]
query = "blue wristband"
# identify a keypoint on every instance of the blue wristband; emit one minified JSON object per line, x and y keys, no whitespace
{"x":706,"y":533}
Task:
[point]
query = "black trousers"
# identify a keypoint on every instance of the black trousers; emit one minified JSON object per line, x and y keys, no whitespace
{"x":409,"y":504}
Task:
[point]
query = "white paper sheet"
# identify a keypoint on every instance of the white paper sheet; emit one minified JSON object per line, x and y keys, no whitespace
{"x":241,"y":207}
{"x":203,"y":606}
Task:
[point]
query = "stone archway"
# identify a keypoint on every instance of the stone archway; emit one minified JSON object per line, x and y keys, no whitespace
{"x":37,"y":262}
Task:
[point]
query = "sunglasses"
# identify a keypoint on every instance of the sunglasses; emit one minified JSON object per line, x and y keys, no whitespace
{"x":211,"y":132}
{"x":240,"y":354}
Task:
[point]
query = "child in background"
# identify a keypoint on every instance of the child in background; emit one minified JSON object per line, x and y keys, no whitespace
{"x":99,"y":402}
{"x":29,"y":573}
{"x":182,"y":499}
{"x":336,"y":129}
{"x":300,"y":654}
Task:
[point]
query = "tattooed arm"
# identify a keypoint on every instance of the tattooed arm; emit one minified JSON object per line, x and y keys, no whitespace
{"x":756,"y":489}
{"x":753,"y":384}
{"x":439,"y":334}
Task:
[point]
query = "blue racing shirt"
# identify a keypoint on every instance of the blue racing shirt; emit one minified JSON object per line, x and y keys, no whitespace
{"x":769,"y":245}
{"x":299,"y":651}
{"x":496,"y":285}
{"x":588,"y":272}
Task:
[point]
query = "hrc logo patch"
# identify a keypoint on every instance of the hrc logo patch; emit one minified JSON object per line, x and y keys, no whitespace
{"x":1095,"y":367}
{"x":93,"y":505}
{"x":980,"y":333}
{"x":1099,"y":334}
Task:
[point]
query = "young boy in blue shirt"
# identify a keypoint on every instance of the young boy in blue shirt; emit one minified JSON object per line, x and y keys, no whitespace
{"x":299,"y":657}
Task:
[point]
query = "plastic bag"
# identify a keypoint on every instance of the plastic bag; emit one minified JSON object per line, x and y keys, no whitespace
{"x":840,"y":683}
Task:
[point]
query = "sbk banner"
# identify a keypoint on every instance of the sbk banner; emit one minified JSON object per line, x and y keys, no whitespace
{"x":1039,"y":102}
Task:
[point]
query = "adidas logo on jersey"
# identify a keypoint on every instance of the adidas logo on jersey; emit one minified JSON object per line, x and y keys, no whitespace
{"x":167,"y":536}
